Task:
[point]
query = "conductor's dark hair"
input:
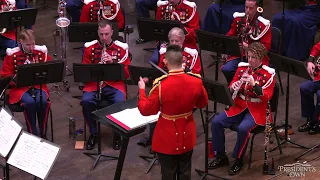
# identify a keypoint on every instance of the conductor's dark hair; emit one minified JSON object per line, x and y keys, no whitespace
{"x":174,"y":55}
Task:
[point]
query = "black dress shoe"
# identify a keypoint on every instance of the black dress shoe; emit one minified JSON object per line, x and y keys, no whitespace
{"x":236,"y":168}
{"x":315,"y":129}
{"x":91,"y":142}
{"x":140,"y":41}
{"x":116,"y":141}
{"x":304,"y":128}
{"x":218,"y":162}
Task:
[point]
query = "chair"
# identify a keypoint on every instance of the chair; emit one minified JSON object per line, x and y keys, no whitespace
{"x":127,"y":30}
{"x":275,"y":48}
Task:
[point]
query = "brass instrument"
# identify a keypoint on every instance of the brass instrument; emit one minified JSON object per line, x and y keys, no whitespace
{"x":235,"y":92}
{"x":62,"y":21}
{"x":267,"y":131}
{"x":5,"y":8}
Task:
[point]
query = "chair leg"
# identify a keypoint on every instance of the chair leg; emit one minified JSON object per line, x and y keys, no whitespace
{"x":51,"y":124}
{"x":280,"y":82}
{"x":250,"y":154}
{"x":84,"y":130}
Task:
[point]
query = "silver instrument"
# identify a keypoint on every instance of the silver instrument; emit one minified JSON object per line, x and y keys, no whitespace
{"x":62,"y":21}
{"x":235,"y":92}
{"x":5,"y":8}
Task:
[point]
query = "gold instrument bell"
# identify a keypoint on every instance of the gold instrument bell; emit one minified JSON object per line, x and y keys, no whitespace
{"x":62,"y":21}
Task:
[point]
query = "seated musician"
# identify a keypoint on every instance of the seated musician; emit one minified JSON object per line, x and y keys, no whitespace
{"x":212,"y":17}
{"x":110,"y":10}
{"x":183,"y":11}
{"x":21,"y":4}
{"x":73,"y":8}
{"x":309,"y":110}
{"x":252,"y":88}
{"x":28,"y":97}
{"x":250,"y":28}
{"x":7,"y":36}
{"x":175,"y":133}
{"x":104,"y":51}
{"x":299,"y":29}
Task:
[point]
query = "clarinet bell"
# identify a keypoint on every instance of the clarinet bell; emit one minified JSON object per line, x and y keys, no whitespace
{"x":227,"y":108}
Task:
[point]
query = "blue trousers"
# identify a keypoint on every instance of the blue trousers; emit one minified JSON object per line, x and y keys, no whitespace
{"x":221,"y":121}
{"x":211,"y":19}
{"x":308,"y":108}
{"x":32,"y":111}
{"x":89,"y":104}
{"x":143,"y":7}
{"x":21,"y":4}
{"x":74,"y":9}
{"x":6,"y":43}
{"x":229,"y":69}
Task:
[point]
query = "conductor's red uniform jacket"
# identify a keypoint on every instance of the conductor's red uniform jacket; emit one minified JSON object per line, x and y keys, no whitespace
{"x":185,"y":12}
{"x":120,"y":54}
{"x":191,"y":60}
{"x":110,"y":10}
{"x":260,"y":31}
{"x":16,"y":57}
{"x":174,"y":95}
{"x":247,"y":98}
{"x":10,"y":34}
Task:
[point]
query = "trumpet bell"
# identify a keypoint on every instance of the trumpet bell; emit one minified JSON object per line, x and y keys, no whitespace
{"x":62,"y":22}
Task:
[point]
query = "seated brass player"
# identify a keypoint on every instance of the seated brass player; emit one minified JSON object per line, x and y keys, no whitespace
{"x":252,"y":86}
{"x":104,"y":51}
{"x":28,"y":97}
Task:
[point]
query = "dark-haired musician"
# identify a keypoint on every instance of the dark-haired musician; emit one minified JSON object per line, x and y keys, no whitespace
{"x":110,"y":10}
{"x":259,"y":30}
{"x":175,"y":133}
{"x":104,"y":51}
{"x":252,"y":88}
{"x":28,"y":97}
{"x":309,"y":110}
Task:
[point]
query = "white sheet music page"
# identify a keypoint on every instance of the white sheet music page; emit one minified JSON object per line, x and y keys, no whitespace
{"x":9,"y":132}
{"x":33,"y":155}
{"x":132,"y":118}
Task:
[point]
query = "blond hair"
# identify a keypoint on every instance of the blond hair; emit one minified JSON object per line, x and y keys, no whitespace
{"x":26,"y":34}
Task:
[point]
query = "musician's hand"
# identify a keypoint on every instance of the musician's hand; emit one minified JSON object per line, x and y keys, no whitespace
{"x":141,"y":83}
{"x":311,"y":68}
{"x":236,"y":85}
{"x":248,"y":79}
{"x":245,"y":45}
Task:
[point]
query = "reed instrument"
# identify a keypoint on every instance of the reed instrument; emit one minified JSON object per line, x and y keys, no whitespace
{"x":245,"y":33}
{"x":6,"y":7}
{"x":267,"y":132}
{"x":235,"y":92}
{"x":316,"y":73}
{"x":169,"y":12}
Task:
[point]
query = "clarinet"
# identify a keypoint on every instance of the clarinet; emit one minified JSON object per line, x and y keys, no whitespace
{"x":268,"y":128}
{"x":235,"y":92}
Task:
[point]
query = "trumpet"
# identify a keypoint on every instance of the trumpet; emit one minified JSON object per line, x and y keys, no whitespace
{"x":235,"y":92}
{"x":8,"y":6}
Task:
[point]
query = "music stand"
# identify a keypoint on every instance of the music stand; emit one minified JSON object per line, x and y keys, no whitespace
{"x":219,"y":93}
{"x":294,"y":67}
{"x":18,"y":18}
{"x":282,"y":25}
{"x":220,"y":44}
{"x":96,"y":73}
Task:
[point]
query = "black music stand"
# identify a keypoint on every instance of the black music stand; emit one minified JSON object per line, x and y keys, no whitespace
{"x":219,"y":93}
{"x":18,"y":18}
{"x":294,"y":67}
{"x":101,"y":116}
{"x":220,"y":44}
{"x":282,"y":25}
{"x":96,"y":73}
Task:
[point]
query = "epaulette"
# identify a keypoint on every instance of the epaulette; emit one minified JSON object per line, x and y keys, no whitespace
{"x":237,"y":14}
{"x":156,"y":81}
{"x":269,"y":69}
{"x":162,"y":3}
{"x":12,"y":2}
{"x":42,"y":48}
{"x":88,"y":44}
{"x":121,"y":44}
{"x":88,"y":1}
{"x":192,"y":52}
{"x":243,"y":64}
{"x":162,"y":50}
{"x":194,"y":75}
{"x":11,"y":51}
{"x":264,"y":21}
{"x":190,"y":4}
{"x":114,"y":1}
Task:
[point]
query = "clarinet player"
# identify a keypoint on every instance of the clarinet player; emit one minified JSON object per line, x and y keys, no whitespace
{"x":253,"y":86}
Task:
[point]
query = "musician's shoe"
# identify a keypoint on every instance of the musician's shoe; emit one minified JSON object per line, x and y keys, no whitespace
{"x":91,"y":142}
{"x":218,"y":162}
{"x":140,"y":41}
{"x":236,"y":167}
{"x":315,"y":129}
{"x":116,"y":141}
{"x":306,"y":127}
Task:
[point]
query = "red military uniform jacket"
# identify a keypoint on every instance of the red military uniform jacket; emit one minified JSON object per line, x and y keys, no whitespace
{"x":261,"y":32}
{"x":16,"y":57}
{"x":185,"y":12}
{"x":8,"y":34}
{"x":315,"y":53}
{"x":120,"y":54}
{"x":111,"y":11}
{"x":190,"y":58}
{"x":175,"y":132}
{"x":257,"y":105}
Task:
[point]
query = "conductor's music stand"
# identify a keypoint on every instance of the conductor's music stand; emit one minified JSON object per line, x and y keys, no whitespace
{"x":294,"y":67}
{"x":219,"y":93}
{"x":18,"y":18}
{"x":96,"y":73}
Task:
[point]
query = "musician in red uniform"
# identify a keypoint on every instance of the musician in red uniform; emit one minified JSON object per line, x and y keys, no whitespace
{"x":28,"y":97}
{"x":260,"y":30}
{"x":309,"y":110}
{"x":112,"y":91}
{"x":175,"y":133}
{"x":110,"y":10}
{"x":253,"y":85}
{"x":8,"y":36}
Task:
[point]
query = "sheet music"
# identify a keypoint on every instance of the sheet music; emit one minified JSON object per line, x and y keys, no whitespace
{"x":9,"y":132}
{"x":133,"y":118}
{"x":33,"y":155}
